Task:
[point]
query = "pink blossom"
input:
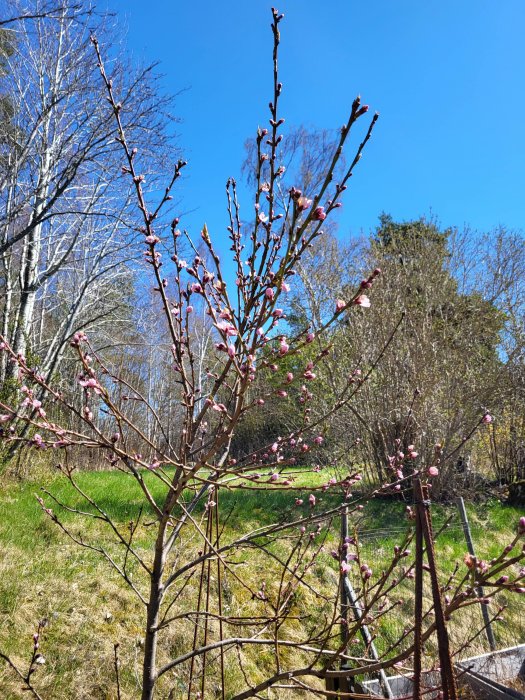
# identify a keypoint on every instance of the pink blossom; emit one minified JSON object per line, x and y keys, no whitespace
{"x":38,"y":441}
{"x":227,"y":328}
{"x":309,"y":375}
{"x":289,"y":377}
{"x":311,"y":500}
{"x":231,"y":350}
{"x":487,"y":418}
{"x":5,"y":417}
{"x":90,"y":383}
{"x":339,"y":305}
{"x":282,"y":393}
{"x":189,"y":309}
{"x":260,"y":402}
{"x":285,"y":287}
{"x":274,"y":477}
{"x":196,"y":287}
{"x":345,"y":567}
{"x":299,"y":501}
{"x":274,"y":447}
{"x":151,"y":240}
{"x":277,"y":313}
{"x":283,"y":347}
{"x":269,"y":293}
{"x":433,"y":471}
{"x":319,"y":440}
{"x":362,"y":300}
{"x":303,"y":203}
{"x":413,"y":454}
{"x":310,"y":337}
{"x":319,"y":214}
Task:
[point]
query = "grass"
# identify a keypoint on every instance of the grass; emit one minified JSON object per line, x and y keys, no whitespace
{"x":43,"y":574}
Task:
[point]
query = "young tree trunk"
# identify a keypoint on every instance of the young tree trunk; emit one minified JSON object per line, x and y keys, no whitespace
{"x":149,"y":670}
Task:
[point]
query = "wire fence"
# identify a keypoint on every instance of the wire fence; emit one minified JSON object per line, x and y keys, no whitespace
{"x":487,"y":642}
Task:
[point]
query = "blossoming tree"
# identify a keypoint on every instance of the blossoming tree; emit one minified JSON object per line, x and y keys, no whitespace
{"x":189,"y":579}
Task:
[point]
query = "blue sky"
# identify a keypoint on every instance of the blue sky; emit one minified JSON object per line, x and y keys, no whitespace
{"x":446,"y":76}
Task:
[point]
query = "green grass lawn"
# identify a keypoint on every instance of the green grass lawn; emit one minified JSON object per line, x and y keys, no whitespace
{"x":43,"y":574}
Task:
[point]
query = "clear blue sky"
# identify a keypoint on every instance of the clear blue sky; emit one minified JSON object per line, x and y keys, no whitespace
{"x":447,"y":76}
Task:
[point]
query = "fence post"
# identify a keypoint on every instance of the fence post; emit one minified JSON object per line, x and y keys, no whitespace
{"x":349,"y":600}
{"x":344,"y":595}
{"x":448,"y":679}
{"x":470,"y":546}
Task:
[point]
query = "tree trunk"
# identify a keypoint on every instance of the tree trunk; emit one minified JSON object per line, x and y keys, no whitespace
{"x":149,"y":668}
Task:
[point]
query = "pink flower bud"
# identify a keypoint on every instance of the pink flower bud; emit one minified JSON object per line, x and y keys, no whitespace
{"x":231,"y":351}
{"x":269,"y":293}
{"x":311,"y":500}
{"x":362,"y":300}
{"x":299,"y":501}
{"x":487,"y":418}
{"x":289,"y":377}
{"x":521,"y":526}
{"x":285,"y":287}
{"x":339,"y":305}
{"x":433,"y":471}
{"x":319,"y":214}
{"x":319,"y":440}
{"x":310,"y":337}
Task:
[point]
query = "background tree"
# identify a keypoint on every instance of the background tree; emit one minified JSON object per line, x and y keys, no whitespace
{"x":66,"y":231}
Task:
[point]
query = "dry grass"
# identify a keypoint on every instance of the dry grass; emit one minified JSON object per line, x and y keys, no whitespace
{"x":45,"y":575}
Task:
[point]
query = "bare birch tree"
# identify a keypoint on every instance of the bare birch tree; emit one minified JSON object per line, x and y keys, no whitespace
{"x":65,"y":217}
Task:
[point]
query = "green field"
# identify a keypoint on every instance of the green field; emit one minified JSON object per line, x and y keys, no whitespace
{"x":45,"y":575}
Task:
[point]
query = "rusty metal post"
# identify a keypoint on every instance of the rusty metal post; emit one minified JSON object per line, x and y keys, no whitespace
{"x":418,"y":608}
{"x":448,"y":679}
